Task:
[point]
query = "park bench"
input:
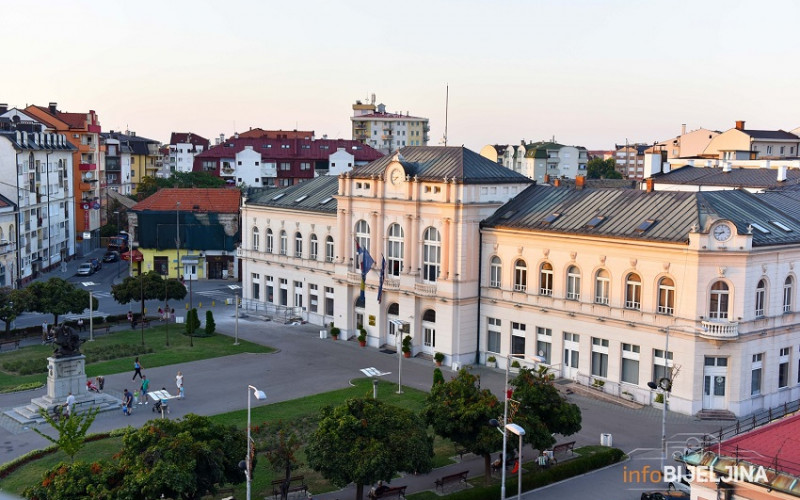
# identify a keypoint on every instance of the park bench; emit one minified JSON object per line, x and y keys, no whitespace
{"x":293,"y":488}
{"x":226,"y":491}
{"x":12,"y":344}
{"x":459,"y":477}
{"x":397,"y":492}
{"x":461,"y":452}
{"x":563,"y":447}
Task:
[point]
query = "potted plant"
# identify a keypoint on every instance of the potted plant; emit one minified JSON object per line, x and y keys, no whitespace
{"x":438,"y":357}
{"x":362,"y":337}
{"x":407,"y":346}
{"x":598,"y":384}
{"x":491,"y":361}
{"x":335,"y":331}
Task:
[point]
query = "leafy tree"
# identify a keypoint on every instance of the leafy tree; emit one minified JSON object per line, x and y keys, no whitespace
{"x":150,"y":185}
{"x":184,"y":458}
{"x":192,"y":322}
{"x":56,"y":296}
{"x":147,"y":187}
{"x":148,"y":286}
{"x":542,"y":410}
{"x":365,"y":440}
{"x":598,"y":168}
{"x":460,"y":410}
{"x":282,"y":445}
{"x":12,"y":304}
{"x":71,"y":431}
{"x":211,"y":326}
{"x":97,"y":480}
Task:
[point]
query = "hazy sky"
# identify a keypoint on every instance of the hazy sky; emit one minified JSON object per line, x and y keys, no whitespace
{"x":589,"y":73}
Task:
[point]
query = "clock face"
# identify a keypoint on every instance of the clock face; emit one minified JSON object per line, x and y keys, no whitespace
{"x":396,"y":176}
{"x":722,"y":232}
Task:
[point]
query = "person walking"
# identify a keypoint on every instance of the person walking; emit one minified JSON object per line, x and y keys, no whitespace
{"x":137,"y":368}
{"x":179,"y":383}
{"x":145,"y":385}
{"x":127,"y":402}
{"x":80,"y":324}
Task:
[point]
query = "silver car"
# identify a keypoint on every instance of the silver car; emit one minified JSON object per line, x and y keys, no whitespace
{"x":86,"y":269}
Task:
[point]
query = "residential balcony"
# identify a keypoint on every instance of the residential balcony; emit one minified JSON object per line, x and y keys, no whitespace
{"x":426,"y":289}
{"x":85,"y":186}
{"x":426,"y":128}
{"x":85,"y":167}
{"x":426,"y":138}
{"x":720,"y":330}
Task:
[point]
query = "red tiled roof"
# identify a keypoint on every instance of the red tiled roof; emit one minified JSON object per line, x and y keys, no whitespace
{"x":296,"y":149}
{"x":259,"y":133}
{"x":45,"y":117}
{"x":187,"y":138}
{"x":762,"y":446}
{"x":72,"y":120}
{"x":218,"y":200}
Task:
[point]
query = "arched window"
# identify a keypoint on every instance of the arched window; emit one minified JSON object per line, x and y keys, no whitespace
{"x":573,"y":283}
{"x":429,"y":328}
{"x":546,"y":279}
{"x":298,"y":245}
{"x":602,"y":285}
{"x":761,"y":296}
{"x":362,"y":238}
{"x":284,"y":242}
{"x":256,"y":239}
{"x":520,"y":276}
{"x":495,"y":271}
{"x":393,"y":309}
{"x":396,"y":249}
{"x":270,"y":242}
{"x":718,"y":303}
{"x":431,"y":255}
{"x":329,"y":250}
{"x":788,"y":294}
{"x":666,"y":296}
{"x":633,"y":291}
{"x":313,"y":247}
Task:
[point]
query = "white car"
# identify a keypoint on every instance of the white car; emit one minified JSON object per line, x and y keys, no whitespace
{"x":86,"y":269}
{"x":682,"y":485}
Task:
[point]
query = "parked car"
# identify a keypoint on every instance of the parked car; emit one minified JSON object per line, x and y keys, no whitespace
{"x":96,"y":265}
{"x":111,"y":256}
{"x":86,"y":269}
{"x":665,"y":495}
{"x":682,"y":485}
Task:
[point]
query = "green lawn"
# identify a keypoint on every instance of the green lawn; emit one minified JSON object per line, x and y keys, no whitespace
{"x":126,"y":344}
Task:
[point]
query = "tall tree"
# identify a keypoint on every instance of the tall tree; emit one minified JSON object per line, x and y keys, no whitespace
{"x":57,"y":297}
{"x":12,"y":304}
{"x":598,"y":168}
{"x":542,"y":410}
{"x":148,"y":286}
{"x":366,"y":440}
{"x":460,"y":410}
{"x":71,"y":431}
{"x":282,"y":444}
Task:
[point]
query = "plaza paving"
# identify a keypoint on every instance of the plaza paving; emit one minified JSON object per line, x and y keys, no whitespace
{"x":305,"y":364}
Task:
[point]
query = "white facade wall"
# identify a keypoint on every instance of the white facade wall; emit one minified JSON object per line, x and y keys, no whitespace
{"x":340,"y":162}
{"x":248,"y":167}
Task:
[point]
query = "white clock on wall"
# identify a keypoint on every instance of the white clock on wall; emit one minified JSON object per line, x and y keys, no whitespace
{"x":396,"y":176}
{"x":722,"y":232}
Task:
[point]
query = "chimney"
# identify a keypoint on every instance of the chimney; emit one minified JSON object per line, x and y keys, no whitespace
{"x":580,"y":182}
{"x":52,"y":108}
{"x":739,"y":124}
{"x":547,"y":178}
{"x":557,"y":182}
{"x":726,"y":167}
{"x":683,"y":129}
{"x":781,"y":173}
{"x":3,"y":107}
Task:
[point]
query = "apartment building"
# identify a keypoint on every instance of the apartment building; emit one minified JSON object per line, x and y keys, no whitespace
{"x":258,"y":162}
{"x":37,"y":221}
{"x":129,"y":157}
{"x":384,"y":131}
{"x":540,"y":160}
{"x":183,"y":147}
{"x":740,"y":143}
{"x":687,"y":144}
{"x":630,"y":160}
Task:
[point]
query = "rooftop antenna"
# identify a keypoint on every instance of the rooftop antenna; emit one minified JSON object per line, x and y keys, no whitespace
{"x":446,"y":107}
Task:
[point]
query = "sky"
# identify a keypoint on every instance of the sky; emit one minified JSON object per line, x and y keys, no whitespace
{"x":588,"y":73}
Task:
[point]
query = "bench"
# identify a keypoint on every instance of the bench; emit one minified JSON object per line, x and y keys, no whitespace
{"x":226,"y":491}
{"x":563,"y":447}
{"x":278,"y":484}
{"x":397,"y":492}
{"x":13,"y":344}
{"x":461,"y":452}
{"x":459,"y":477}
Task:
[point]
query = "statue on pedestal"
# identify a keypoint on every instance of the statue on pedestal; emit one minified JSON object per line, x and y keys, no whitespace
{"x":68,"y":342}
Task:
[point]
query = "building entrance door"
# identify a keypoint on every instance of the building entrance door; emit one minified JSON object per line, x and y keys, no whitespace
{"x":715,"y":375}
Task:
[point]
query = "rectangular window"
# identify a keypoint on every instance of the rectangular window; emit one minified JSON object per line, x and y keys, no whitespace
{"x":517,"y":338}
{"x":544,"y":343}
{"x":328,"y":301}
{"x":305,"y":165}
{"x":256,"y":279}
{"x":284,"y":292}
{"x":755,"y":374}
{"x":783,"y":368}
{"x":660,"y":364}
{"x":270,"y":289}
{"x":494,"y":335}
{"x":630,"y":364}
{"x":313,"y":298}
{"x":285,"y":165}
{"x":599,"y":357}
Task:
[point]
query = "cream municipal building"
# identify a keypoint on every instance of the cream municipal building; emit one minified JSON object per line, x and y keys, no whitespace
{"x":609,"y":287}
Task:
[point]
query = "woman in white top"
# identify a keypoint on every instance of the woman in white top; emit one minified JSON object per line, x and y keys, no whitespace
{"x":179,"y":380}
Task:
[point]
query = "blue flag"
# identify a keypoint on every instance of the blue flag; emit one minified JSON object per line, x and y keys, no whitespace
{"x":383,"y":275}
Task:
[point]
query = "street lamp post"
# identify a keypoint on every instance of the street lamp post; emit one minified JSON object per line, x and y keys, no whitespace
{"x":248,"y":473}
{"x":519,"y":431}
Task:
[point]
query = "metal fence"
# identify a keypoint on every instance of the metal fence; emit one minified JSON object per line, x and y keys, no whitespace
{"x":274,"y":312}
